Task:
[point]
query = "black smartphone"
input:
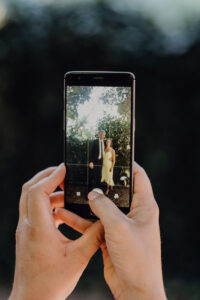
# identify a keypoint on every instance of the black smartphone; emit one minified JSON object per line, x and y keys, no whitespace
{"x":99,"y":126}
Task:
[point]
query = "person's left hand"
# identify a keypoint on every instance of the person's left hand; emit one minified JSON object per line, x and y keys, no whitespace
{"x":110,"y":170}
{"x":48,"y":264}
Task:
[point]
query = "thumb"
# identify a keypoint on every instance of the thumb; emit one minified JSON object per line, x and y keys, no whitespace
{"x":105,"y":209}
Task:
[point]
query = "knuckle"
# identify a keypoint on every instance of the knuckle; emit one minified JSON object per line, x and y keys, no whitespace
{"x":142,"y":170}
{"x":50,"y":169}
{"x":25,"y":187}
{"x":26,"y":233}
{"x":154,"y":210}
{"x":33,"y":190}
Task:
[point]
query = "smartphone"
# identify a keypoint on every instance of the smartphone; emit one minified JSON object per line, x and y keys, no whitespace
{"x":99,"y":126}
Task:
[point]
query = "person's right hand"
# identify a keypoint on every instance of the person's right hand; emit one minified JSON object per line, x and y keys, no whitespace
{"x":132,"y":251}
{"x":48,"y":264}
{"x":91,"y":165}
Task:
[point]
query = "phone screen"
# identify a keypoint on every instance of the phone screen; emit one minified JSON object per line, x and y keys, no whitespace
{"x":98,"y":139}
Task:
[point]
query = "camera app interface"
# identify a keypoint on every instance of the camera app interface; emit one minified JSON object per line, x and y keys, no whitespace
{"x":98,"y":145}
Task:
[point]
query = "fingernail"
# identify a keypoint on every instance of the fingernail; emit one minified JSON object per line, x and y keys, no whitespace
{"x":92,"y":196}
{"x":95,"y":194}
{"x":98,"y":191}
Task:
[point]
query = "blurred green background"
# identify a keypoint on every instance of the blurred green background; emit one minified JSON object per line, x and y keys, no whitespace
{"x":160,"y":43}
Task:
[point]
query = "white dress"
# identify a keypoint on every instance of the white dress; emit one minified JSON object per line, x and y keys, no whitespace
{"x":106,"y":175}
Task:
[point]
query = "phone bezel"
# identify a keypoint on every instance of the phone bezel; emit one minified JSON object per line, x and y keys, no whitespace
{"x":99,"y":78}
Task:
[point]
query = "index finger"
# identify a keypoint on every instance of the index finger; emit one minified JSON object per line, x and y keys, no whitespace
{"x":39,"y":206}
{"x":23,"y":199}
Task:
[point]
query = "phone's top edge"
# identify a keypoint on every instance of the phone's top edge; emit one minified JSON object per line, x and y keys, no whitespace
{"x":98,"y":72}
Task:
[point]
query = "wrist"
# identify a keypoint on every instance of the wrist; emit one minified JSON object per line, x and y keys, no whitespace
{"x":29,"y":295}
{"x":140,"y":295}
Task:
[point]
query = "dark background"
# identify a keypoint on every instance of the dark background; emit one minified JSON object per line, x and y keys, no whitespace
{"x":38,"y":44}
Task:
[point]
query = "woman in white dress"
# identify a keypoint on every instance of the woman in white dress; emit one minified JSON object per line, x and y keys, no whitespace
{"x":108,"y":165}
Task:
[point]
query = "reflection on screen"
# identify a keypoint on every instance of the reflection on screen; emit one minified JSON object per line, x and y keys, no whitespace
{"x":98,"y":148}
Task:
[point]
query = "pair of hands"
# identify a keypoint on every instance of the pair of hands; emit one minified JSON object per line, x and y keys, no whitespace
{"x":49,"y":265}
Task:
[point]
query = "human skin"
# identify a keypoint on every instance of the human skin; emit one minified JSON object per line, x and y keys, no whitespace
{"x":48,"y":264}
{"x":132,"y":247}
